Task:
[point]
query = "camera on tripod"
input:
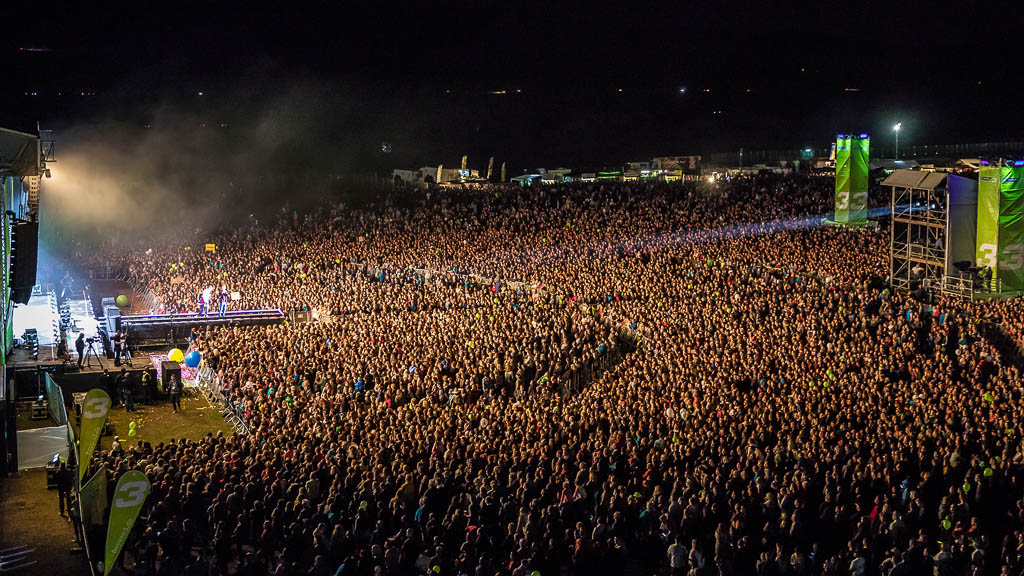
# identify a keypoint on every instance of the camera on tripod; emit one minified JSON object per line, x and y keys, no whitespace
{"x":91,"y":339}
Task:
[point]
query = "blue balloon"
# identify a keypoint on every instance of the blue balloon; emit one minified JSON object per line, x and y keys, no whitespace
{"x":192,"y":359}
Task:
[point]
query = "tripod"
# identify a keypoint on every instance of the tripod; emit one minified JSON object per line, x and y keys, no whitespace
{"x":90,"y":355}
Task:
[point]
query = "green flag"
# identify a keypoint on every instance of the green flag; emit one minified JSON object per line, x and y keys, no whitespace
{"x":93,"y":498}
{"x":132,"y":490}
{"x":94,"y":416}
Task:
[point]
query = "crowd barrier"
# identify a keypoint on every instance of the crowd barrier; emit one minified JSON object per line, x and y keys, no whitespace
{"x":208,"y":381}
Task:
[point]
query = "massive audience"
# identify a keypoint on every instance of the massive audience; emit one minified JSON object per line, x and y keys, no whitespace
{"x":600,"y":378}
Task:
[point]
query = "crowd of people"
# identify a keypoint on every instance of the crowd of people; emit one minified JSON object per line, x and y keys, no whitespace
{"x":598,"y":378}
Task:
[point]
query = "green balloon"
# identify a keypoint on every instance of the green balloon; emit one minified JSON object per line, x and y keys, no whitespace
{"x":988,"y":472}
{"x":121,"y":301}
{"x":966,"y":487}
{"x":132,"y":432}
{"x":946,"y":524}
{"x":132,"y":425}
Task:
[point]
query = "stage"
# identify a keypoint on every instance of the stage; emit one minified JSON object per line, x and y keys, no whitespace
{"x":174,"y":327}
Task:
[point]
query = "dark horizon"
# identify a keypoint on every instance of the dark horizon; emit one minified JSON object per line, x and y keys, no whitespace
{"x":424,"y":80}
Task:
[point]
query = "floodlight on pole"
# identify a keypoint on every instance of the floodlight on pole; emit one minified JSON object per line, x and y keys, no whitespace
{"x":896,"y":129}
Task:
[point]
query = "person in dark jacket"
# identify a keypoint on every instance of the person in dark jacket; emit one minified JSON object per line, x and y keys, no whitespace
{"x":65,"y":481}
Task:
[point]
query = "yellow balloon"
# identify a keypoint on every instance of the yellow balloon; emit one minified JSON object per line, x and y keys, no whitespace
{"x":175,"y":355}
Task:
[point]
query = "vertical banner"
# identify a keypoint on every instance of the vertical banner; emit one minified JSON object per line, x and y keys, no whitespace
{"x":842,"y":178}
{"x":490,"y":168}
{"x":1011,"y":227}
{"x":94,"y":416}
{"x":464,"y":159}
{"x":502,"y":171}
{"x":437,"y":179}
{"x":859,"y":157}
{"x":987,"y":253}
{"x":93,"y":498}
{"x":131,"y":492}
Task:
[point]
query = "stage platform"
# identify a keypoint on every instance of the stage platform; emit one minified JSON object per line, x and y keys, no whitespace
{"x":176,"y":326}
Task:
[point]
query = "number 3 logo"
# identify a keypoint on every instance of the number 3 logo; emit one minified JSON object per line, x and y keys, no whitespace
{"x":843,"y":200}
{"x":1013,"y":257}
{"x":131,"y":494}
{"x":987,"y":255}
{"x":96,"y":407}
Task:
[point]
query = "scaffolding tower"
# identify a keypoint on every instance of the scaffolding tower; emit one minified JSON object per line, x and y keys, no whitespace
{"x":917,"y":252}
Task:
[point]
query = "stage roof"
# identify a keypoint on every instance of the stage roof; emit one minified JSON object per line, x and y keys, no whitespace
{"x":19,"y":153}
{"x":915,"y":179}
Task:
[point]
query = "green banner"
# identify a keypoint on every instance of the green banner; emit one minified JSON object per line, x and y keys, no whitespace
{"x":92,"y":498}
{"x":842,"y":178}
{"x":859,"y":156}
{"x":132,"y":490}
{"x":988,"y":219}
{"x":94,"y":416}
{"x":1011,"y":228}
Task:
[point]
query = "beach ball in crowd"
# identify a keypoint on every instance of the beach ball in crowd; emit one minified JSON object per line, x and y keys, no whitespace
{"x":132,"y":432}
{"x":192,"y":359}
{"x":132,"y":425}
{"x":175,"y":355}
{"x":121,"y":301}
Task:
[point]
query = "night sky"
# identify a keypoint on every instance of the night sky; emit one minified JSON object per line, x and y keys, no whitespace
{"x":588,"y":84}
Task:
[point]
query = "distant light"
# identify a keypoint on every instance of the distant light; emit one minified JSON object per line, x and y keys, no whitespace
{"x":896,"y":127}
{"x":707,"y":89}
{"x":1019,"y":163}
{"x":518,"y":91}
{"x":808,"y":150}
{"x":711,"y":178}
{"x":863,"y":136}
{"x":682,"y":90}
{"x":748,"y":89}
{"x":200,"y":93}
{"x":497,"y":92}
{"x":851,"y":89}
{"x":620,"y":89}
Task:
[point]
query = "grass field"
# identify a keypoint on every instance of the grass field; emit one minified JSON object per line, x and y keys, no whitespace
{"x":31,"y":529}
{"x":155,"y":424}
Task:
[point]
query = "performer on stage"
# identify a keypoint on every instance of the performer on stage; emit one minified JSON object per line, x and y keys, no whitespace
{"x":224,"y":297}
{"x":202,"y":304}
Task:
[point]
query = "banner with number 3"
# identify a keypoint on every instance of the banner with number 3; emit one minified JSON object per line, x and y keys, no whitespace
{"x":94,"y":416}
{"x":129,"y":496}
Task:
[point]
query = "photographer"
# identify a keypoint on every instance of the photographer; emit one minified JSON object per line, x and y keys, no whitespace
{"x":118,"y":342}
{"x":80,"y":348}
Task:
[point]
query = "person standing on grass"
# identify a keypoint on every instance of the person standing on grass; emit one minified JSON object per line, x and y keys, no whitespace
{"x":64,"y":482}
{"x":174,"y":389}
{"x":128,"y":390}
{"x":147,"y":388}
